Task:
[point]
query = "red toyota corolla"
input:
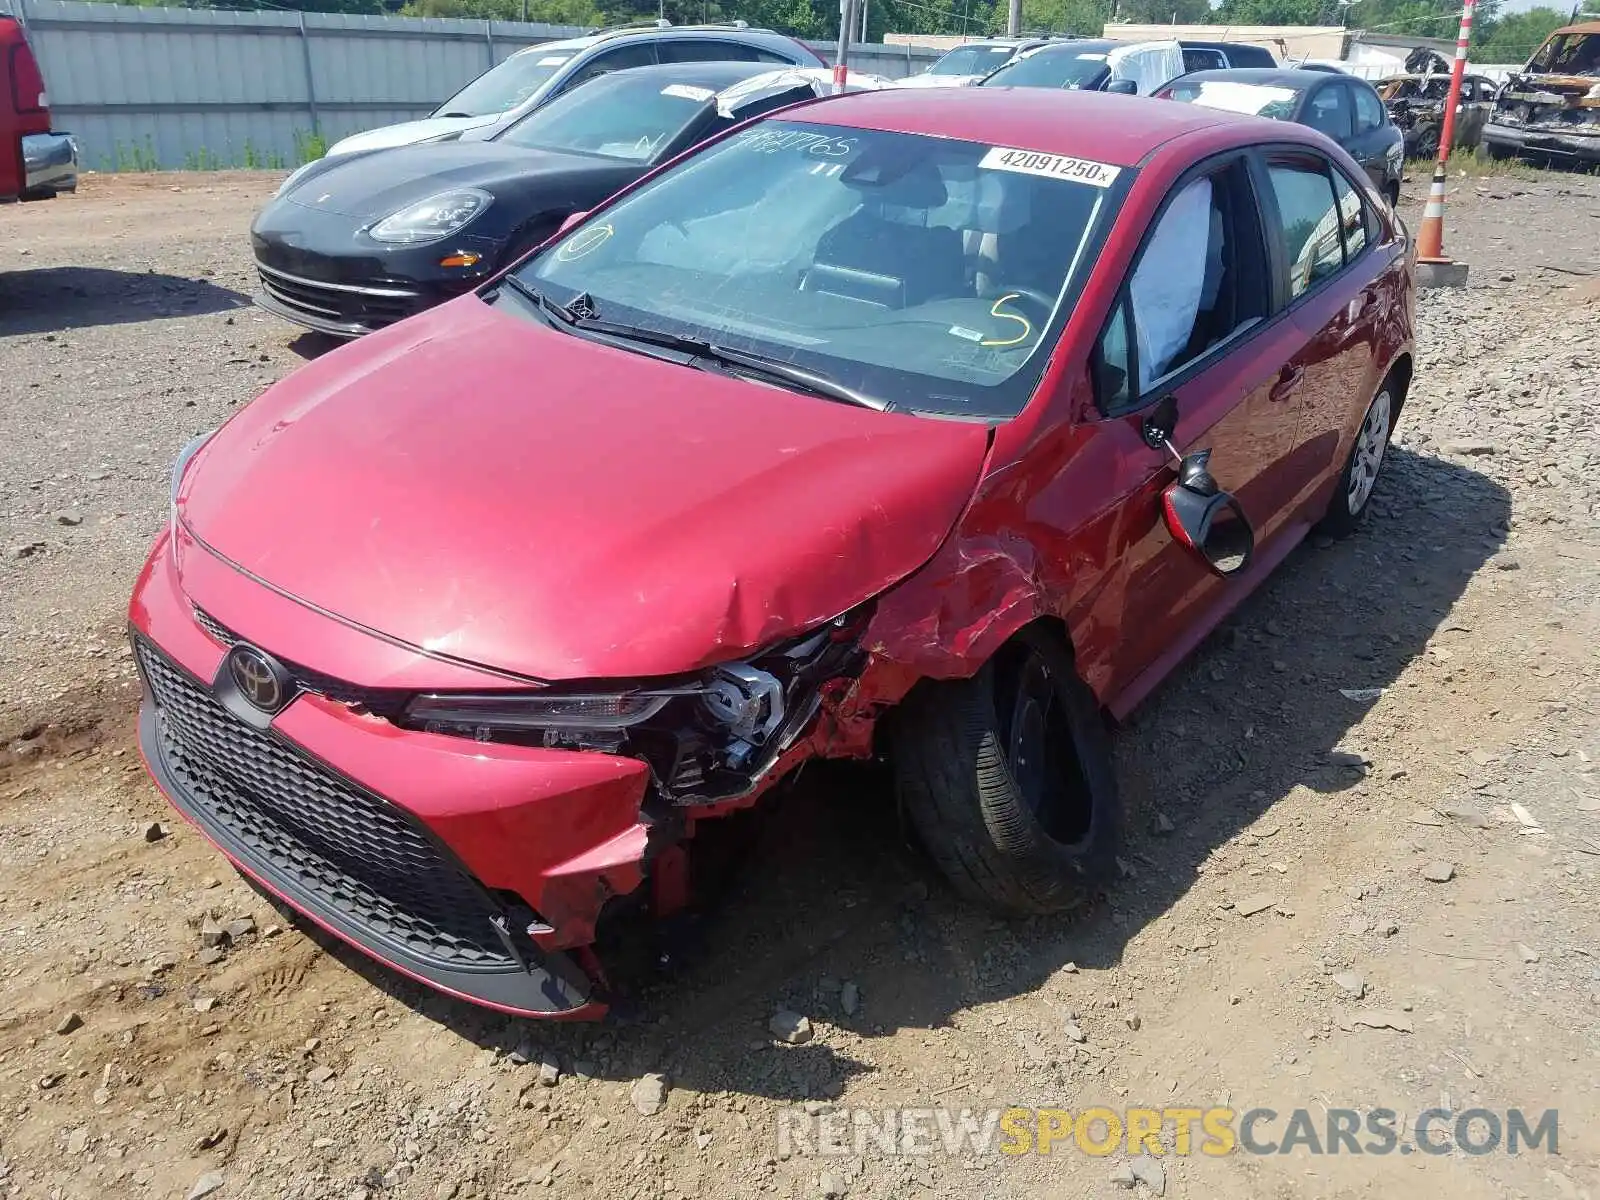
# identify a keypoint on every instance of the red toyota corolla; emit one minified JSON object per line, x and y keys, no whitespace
{"x":930,"y":425}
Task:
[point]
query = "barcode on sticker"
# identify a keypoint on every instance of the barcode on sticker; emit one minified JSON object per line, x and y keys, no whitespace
{"x":1051,"y":166}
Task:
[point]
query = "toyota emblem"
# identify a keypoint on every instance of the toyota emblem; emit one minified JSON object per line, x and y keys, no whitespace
{"x":260,"y":681}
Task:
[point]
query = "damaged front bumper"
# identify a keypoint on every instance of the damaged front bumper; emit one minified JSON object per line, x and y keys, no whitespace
{"x":478,"y":865}
{"x":1571,"y":143}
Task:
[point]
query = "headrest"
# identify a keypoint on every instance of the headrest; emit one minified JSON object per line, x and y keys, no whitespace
{"x":1004,"y":202}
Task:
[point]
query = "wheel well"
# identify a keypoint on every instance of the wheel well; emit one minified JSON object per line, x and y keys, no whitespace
{"x":883,"y":731}
{"x":1401,"y":373}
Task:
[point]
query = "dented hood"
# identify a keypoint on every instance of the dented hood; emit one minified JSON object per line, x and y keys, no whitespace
{"x":486,"y":488}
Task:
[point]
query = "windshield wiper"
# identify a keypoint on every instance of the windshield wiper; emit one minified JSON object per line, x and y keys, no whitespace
{"x":576,"y":315}
{"x":798,"y":378}
{"x":469,"y":116}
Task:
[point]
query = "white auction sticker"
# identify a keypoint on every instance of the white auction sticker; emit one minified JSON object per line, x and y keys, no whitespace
{"x":1051,"y":166}
{"x":685,"y":91}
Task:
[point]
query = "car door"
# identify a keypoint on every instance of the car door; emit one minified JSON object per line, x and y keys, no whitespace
{"x":1374,"y":138}
{"x":1195,"y":323}
{"x":1332,"y":244}
{"x":1477,"y":97}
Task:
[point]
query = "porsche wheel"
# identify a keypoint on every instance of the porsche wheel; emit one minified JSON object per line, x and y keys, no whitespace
{"x":1007,"y":778}
{"x":1348,"y":507}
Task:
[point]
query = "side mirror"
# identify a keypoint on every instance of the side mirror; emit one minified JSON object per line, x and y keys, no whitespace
{"x":571,"y":221}
{"x":1207,"y":520}
{"x":1123,"y":87}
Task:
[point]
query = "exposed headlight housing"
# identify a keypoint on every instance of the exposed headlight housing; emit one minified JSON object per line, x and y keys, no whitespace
{"x":706,"y":738}
{"x":431,"y":219}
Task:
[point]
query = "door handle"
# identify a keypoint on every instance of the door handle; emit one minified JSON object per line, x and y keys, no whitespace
{"x":1288,"y":384}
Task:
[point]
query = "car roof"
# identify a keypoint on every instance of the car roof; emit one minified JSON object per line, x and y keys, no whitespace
{"x":1095,"y":125}
{"x":584,"y":42}
{"x":1079,"y":45}
{"x":715,"y":75}
{"x":1580,"y":27}
{"x":1283,"y":77}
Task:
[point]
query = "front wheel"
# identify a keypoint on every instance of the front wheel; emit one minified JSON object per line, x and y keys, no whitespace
{"x":1007,"y":778}
{"x":1348,"y":507}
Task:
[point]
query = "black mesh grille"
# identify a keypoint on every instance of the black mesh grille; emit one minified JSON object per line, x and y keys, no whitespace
{"x":385,"y":702}
{"x":292,"y":818}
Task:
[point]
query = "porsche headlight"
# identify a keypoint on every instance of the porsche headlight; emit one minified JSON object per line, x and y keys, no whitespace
{"x":431,"y":219}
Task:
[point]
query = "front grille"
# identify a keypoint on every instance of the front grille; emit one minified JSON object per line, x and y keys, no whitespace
{"x":389,"y":703}
{"x":292,"y":819}
{"x":371,"y":308}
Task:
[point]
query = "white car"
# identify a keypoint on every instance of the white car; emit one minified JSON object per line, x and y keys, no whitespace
{"x":530,"y":77}
{"x":970,"y":62}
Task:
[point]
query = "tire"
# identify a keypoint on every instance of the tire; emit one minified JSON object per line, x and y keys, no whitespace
{"x":1348,"y":506}
{"x":1034,"y":840}
{"x":1497,"y":152}
{"x":1428,"y":144}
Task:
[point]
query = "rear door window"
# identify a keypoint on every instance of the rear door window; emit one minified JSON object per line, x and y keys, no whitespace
{"x":1328,"y":111}
{"x":640,"y":54}
{"x":1369,"y":109}
{"x":706,"y":50}
{"x":1308,"y":221}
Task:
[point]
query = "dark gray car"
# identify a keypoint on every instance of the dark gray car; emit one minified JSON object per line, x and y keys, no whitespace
{"x":1345,"y":108}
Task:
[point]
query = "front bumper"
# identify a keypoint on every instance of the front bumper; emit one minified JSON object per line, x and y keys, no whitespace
{"x":318,"y":270}
{"x":1575,"y":147}
{"x":472,"y":868}
{"x":49,"y":165}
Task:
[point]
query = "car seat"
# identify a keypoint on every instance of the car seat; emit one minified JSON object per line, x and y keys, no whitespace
{"x":886,"y":253}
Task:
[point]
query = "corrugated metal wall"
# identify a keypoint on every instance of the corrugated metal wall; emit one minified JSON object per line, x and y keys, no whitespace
{"x":172,"y":87}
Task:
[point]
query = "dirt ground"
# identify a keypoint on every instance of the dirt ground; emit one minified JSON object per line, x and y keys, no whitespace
{"x":1419,"y":701}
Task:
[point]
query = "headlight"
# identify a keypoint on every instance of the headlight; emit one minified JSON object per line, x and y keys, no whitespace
{"x":179,"y":466}
{"x":481,"y":716}
{"x":295,"y":177}
{"x":431,"y":219}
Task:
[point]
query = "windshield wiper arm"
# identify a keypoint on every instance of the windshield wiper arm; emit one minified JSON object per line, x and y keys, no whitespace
{"x":798,"y":378}
{"x":532,"y":294}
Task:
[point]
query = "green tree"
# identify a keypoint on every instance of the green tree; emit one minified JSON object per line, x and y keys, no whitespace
{"x":1515,"y":36}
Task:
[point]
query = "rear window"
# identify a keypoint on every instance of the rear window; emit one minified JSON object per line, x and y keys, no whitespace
{"x":617,"y":117}
{"x":1053,"y":68}
{"x":972,"y":60}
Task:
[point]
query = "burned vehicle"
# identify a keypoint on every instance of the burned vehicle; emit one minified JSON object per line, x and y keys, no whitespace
{"x":935,"y":427}
{"x":1551,"y":108}
{"x":1416,"y":104}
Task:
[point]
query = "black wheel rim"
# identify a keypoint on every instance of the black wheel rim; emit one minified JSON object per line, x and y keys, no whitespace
{"x":1041,"y":750}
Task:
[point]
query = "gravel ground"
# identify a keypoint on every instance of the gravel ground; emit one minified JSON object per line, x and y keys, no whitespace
{"x":1418,"y":859}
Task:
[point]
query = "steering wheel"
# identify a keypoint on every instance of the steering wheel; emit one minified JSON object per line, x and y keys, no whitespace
{"x":1045,"y":302}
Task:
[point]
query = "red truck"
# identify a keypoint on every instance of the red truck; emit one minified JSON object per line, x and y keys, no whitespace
{"x":35,"y":163}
